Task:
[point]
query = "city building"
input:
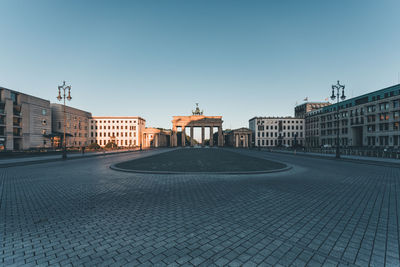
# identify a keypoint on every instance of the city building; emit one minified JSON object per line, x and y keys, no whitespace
{"x":277,"y":131}
{"x":241,"y":137}
{"x":301,"y":110}
{"x":123,"y":131}
{"x":25,"y":121}
{"x":156,"y":137}
{"x":76,"y":127}
{"x":312,"y":128}
{"x":369,"y":120}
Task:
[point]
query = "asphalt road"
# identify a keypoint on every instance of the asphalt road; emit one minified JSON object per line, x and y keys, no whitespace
{"x":80,"y":212}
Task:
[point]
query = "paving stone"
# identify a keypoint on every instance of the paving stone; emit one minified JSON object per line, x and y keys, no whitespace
{"x":322,"y":212}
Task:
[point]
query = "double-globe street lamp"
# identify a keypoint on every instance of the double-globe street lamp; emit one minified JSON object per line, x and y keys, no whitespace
{"x":60,"y":97}
{"x":338,"y":87}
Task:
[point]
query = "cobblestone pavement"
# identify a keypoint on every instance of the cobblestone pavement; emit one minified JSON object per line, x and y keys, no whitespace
{"x":79,"y":212}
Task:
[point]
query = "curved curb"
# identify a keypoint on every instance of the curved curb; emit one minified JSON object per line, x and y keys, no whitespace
{"x":115,"y":168}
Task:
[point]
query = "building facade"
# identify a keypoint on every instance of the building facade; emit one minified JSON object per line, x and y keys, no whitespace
{"x":77,"y":126}
{"x":370,"y":120}
{"x":155,"y":137}
{"x":277,"y":131}
{"x":301,"y":110}
{"x":241,"y":137}
{"x":25,"y":121}
{"x":123,"y":131}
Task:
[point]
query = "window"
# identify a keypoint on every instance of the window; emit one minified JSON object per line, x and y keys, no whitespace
{"x":371,"y":128}
{"x":44,"y":112}
{"x":396,"y":103}
{"x":384,"y":127}
{"x":14,"y":98}
{"x":384,"y":116}
{"x":371,"y":108}
{"x":384,"y":106}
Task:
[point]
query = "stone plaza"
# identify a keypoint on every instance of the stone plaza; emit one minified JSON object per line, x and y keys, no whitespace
{"x":321,"y":212}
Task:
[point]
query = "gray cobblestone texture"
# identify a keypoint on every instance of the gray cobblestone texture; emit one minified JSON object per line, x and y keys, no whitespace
{"x":81,"y":213}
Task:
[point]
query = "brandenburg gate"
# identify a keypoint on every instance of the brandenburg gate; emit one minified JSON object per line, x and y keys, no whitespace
{"x":196,"y":120}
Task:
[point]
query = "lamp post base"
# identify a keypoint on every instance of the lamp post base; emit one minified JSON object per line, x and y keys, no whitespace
{"x":64,"y":154}
{"x":337,"y":153}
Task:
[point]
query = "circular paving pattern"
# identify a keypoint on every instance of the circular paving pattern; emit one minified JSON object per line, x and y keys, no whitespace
{"x":201,"y":160}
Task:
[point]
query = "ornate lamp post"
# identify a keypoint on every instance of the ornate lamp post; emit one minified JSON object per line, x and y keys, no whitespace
{"x":338,"y":87}
{"x":60,"y":97}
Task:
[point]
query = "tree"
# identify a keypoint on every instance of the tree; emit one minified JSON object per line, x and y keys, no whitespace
{"x":111,"y":145}
{"x":94,"y":146}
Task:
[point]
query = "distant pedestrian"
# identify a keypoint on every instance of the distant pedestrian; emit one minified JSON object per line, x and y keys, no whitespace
{"x":83,"y":150}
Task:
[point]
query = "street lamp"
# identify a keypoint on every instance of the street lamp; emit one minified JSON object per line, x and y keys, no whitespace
{"x":338,"y":87}
{"x":60,"y":97}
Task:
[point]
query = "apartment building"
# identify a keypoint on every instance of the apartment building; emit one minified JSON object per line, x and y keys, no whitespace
{"x":123,"y":131}
{"x":369,"y":120}
{"x":25,"y":121}
{"x":277,"y":131}
{"x":77,"y":126}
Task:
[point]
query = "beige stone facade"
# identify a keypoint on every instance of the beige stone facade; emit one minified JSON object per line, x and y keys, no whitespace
{"x":277,"y":131}
{"x":200,"y":121}
{"x":301,"y":110}
{"x":124,"y":131}
{"x":154,"y":137}
{"x":25,"y":121}
{"x":241,"y":137}
{"x":77,"y":126}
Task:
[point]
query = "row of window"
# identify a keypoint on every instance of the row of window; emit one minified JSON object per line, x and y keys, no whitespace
{"x":267,"y":127}
{"x":383,"y":140}
{"x":279,"y":142}
{"x":383,"y":127}
{"x":68,"y":125}
{"x":118,"y":142}
{"x":357,"y":112}
{"x":132,"y":128}
{"x":333,"y":131}
{"x":109,"y":134}
{"x":272,"y":134}
{"x":276,"y":122}
{"x":111,"y":121}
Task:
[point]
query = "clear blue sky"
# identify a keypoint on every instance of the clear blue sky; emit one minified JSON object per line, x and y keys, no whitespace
{"x":238,"y":59}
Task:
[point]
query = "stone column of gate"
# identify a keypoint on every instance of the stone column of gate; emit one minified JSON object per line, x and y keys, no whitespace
{"x":191,"y":136}
{"x":211,"y":136}
{"x":236,"y":140}
{"x":174,"y":136}
{"x":202,"y":135}
{"x":220,"y":136}
{"x":183,"y":135}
